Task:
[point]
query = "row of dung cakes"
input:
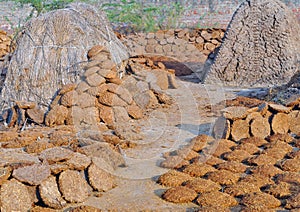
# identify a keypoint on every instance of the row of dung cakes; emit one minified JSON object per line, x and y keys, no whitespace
{"x":49,"y":174}
{"x":183,"y":44}
{"x":252,"y":164}
{"x":238,"y":123}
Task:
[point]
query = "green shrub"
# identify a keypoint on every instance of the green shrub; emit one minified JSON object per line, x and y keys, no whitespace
{"x":144,"y":17}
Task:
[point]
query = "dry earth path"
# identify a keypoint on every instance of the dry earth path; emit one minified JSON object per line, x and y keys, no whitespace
{"x":166,"y":129}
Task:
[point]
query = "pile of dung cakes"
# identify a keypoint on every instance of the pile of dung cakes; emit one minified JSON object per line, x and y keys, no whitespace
{"x":111,"y":94}
{"x":106,"y":95}
{"x":5,"y":44}
{"x":185,"y":45}
{"x":52,"y":170}
{"x":253,"y":165}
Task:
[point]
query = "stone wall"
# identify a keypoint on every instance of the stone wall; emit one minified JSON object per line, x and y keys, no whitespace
{"x":198,"y":13}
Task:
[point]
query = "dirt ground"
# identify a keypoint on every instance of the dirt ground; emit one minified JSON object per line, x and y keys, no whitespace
{"x":165,"y":130}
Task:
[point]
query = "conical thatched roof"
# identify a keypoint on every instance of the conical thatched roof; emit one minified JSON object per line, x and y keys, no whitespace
{"x":51,"y":50}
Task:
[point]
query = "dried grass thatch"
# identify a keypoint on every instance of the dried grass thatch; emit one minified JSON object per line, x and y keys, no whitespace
{"x":51,"y":50}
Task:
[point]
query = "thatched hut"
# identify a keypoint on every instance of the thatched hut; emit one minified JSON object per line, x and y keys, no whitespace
{"x":51,"y":50}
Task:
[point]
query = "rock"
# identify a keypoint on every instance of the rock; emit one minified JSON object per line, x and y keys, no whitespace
{"x":279,"y":108}
{"x":221,"y":128}
{"x":99,"y":179}
{"x":254,"y":140}
{"x":239,"y":130}
{"x":95,"y":80}
{"x":202,"y":185}
{"x":173,"y":178}
{"x":75,"y":116}
{"x":85,"y":208}
{"x":38,"y":146}
{"x":12,"y":158}
{"x":223,"y":177}
{"x":266,"y":170}
{"x":200,"y":141}
{"x":8,"y":135}
{"x":280,"y":123}
{"x":82,"y":87}
{"x":179,"y":194}
{"x":120,"y":115}
{"x":57,"y":168}
{"x":135,"y":111}
{"x":260,"y":199}
{"x":91,"y":70}
{"x":32,"y":175}
{"x":5,"y":173}
{"x":78,"y":161}
{"x":236,"y":155}
{"x":241,"y":188}
{"x":256,"y":180}
{"x":129,"y":132}
{"x":248,"y":147}
{"x":108,"y":64}
{"x":291,"y":165}
{"x":56,"y":154}
{"x":36,"y":114}
{"x":50,"y":194}
{"x":69,"y":99}
{"x":160,"y":78}
{"x":294,"y":118}
{"x":111,"y":99}
{"x":288,"y":177}
{"x":163,"y":98}
{"x":262,"y":159}
{"x":174,"y":162}
{"x":94,"y":51}
{"x":91,"y":116}
{"x":86,"y":100}
{"x":198,"y":169}
{"x":18,"y":142}
{"x":235,"y":113}
{"x":233,"y":166}
{"x":106,"y":114}
{"x":56,"y":116}
{"x":104,"y":151}
{"x":122,"y":92}
{"x":216,"y":198}
{"x":146,"y":100}
{"x":73,"y":187}
{"x":14,"y":196}
{"x":67,"y":88}
{"x":260,"y":127}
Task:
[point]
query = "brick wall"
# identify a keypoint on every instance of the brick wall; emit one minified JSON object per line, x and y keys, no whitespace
{"x":198,"y":13}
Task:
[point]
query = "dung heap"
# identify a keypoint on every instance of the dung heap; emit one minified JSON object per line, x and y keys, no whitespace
{"x":253,"y":166}
{"x":58,"y":167}
{"x":102,"y":97}
{"x":261,"y":46}
{"x":51,"y":50}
